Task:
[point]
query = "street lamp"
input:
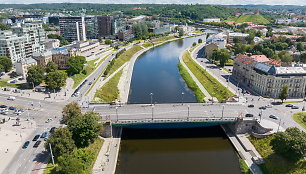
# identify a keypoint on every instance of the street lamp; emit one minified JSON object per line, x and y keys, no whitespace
{"x":151,"y":94}
{"x":260,"y":115}
{"x":279,"y":124}
{"x":152,"y":112}
{"x":188,"y":106}
{"x":183,"y":98}
{"x":117,"y":112}
{"x":222,"y":111}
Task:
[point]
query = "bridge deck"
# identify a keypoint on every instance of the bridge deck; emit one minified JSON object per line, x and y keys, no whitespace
{"x":162,"y":113}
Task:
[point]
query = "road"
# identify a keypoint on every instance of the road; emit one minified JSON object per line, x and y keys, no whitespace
{"x":196,"y":110}
{"x":95,"y":75}
{"x":26,"y":159}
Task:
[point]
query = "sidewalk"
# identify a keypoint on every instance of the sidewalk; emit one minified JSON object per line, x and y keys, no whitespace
{"x":63,"y":95}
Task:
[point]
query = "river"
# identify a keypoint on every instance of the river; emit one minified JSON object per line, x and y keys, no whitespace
{"x":171,"y":151}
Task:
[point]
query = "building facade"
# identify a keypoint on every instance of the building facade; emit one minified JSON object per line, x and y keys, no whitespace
{"x":268,"y":80}
{"x":22,"y":41}
{"x":105,"y":25}
{"x":23,"y":64}
{"x":72,"y":28}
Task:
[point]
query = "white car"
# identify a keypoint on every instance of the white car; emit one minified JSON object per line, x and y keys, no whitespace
{"x":48,"y":120}
{"x":18,"y":112}
{"x":11,"y":98}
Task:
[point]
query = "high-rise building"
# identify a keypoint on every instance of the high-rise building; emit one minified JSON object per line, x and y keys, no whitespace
{"x":105,"y":25}
{"x":91,"y":27}
{"x":72,"y":28}
{"x":22,"y":41}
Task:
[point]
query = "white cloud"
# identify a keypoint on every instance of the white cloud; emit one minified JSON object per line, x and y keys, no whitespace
{"x":223,"y":2}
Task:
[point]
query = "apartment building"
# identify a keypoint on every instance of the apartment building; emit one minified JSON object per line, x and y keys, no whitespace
{"x":22,"y":41}
{"x":72,"y":28}
{"x":266,"y":79}
{"x":23,"y":64}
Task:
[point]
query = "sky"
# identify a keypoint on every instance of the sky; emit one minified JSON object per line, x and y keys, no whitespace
{"x":222,"y":2}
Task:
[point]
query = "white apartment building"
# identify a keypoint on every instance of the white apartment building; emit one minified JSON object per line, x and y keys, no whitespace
{"x":22,"y":41}
{"x":211,"y":20}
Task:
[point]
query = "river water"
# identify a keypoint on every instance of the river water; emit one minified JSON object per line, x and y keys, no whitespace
{"x":171,"y":151}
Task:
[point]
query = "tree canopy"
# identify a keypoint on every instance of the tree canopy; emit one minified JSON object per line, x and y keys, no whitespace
{"x":222,"y":55}
{"x":71,"y":111}
{"x":51,"y":67}
{"x":85,"y":129}
{"x":56,"y":79}
{"x":76,"y":64}
{"x":290,"y":144}
{"x":35,"y":75}
{"x":284,"y":93}
{"x":6,"y":63}
{"x":60,"y":38}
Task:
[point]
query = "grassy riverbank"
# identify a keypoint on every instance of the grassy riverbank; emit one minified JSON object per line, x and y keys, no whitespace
{"x":191,"y":84}
{"x":109,"y":91}
{"x":123,"y":58}
{"x":213,"y":86}
{"x":157,"y":41}
{"x":244,"y":168}
{"x":300,"y":118}
{"x":275,"y":163}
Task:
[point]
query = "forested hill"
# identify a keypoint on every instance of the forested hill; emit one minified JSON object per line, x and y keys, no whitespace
{"x":195,"y":12}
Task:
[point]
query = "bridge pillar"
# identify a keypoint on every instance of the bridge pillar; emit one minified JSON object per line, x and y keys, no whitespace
{"x":107,"y":129}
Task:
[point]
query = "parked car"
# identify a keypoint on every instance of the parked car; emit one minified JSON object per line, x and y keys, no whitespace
{"x":17,"y":111}
{"x":48,"y":120}
{"x":249,"y":115}
{"x":263,"y":107}
{"x":26,"y":144}
{"x":36,"y":137}
{"x":294,"y":107}
{"x":37,"y":143}
{"x":248,"y":92}
{"x":44,"y":134}
{"x":289,"y":105}
{"x":90,"y":83}
{"x":12,"y":108}
{"x":273,"y":117}
{"x":11,"y":98}
{"x":3,"y":106}
{"x":251,"y":106}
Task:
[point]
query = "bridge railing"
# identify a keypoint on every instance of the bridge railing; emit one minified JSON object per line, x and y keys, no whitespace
{"x":172,"y":120}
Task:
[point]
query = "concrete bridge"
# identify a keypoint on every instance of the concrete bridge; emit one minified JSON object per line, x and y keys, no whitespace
{"x":170,"y":115}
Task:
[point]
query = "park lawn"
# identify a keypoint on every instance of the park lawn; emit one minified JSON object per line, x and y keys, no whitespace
{"x":293,"y":101}
{"x":12,"y":85}
{"x":213,"y":86}
{"x":157,"y":41}
{"x":191,"y":83}
{"x":243,"y":167}
{"x":78,"y":78}
{"x":198,"y":32}
{"x":123,"y":58}
{"x":109,"y":92}
{"x":300,"y":118}
{"x":230,"y":62}
{"x":275,"y":163}
{"x":252,"y":18}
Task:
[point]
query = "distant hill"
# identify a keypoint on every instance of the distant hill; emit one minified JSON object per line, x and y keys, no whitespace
{"x":252,"y":18}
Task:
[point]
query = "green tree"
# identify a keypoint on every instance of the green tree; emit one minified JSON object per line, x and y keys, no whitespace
{"x":200,"y":40}
{"x":239,"y":48}
{"x":250,"y":38}
{"x":285,"y":56}
{"x":108,"y":42}
{"x":4,"y":27}
{"x":235,"y":39}
{"x":284,"y":93}
{"x":181,"y":32}
{"x":290,"y":144}
{"x":222,"y":55}
{"x":56,"y":79}
{"x":85,"y":129}
{"x":76,"y":64}
{"x":60,"y":38}
{"x":61,"y":142}
{"x":35,"y":75}
{"x":268,"y":52}
{"x":1,"y":68}
{"x":303,"y":57}
{"x":71,"y":111}
{"x":51,"y":67}
{"x":300,"y":46}
{"x":69,"y":164}
{"x":6,"y":63}
{"x":194,"y":44}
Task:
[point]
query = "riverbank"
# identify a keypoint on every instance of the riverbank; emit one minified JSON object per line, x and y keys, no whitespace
{"x":211,"y":85}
